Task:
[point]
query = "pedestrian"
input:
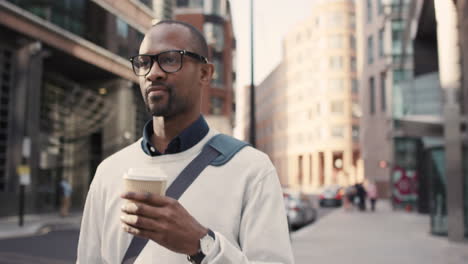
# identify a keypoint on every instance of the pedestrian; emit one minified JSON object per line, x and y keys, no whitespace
{"x":350,"y":193}
{"x":372,"y":194}
{"x":232,"y":213}
{"x":66,"y":191}
{"x":361,"y":194}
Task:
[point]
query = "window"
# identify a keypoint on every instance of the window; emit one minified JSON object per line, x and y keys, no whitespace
{"x":196,"y":3}
{"x":352,"y":42}
{"x":335,"y":19}
{"x":122,"y":28}
{"x":217,"y":104}
{"x":213,"y":7}
{"x":335,"y":42}
{"x":300,"y":174}
{"x":372,"y":95}
{"x":182,"y":3}
{"x":381,"y":42}
{"x":353,"y":64}
{"x":397,"y":32}
{"x":218,"y":75}
{"x":337,"y":131}
{"x":214,"y":34}
{"x":354,"y":86}
{"x":336,"y":62}
{"x":147,"y":3}
{"x":355,"y":133}
{"x":400,"y":75}
{"x":370,"y":50}
{"x":380,"y":7}
{"x":335,"y":85}
{"x":369,"y":11}
{"x":336,"y":107}
{"x":383,"y":98}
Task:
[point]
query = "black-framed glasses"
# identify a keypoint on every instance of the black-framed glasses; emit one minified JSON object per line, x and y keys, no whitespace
{"x":169,"y":61}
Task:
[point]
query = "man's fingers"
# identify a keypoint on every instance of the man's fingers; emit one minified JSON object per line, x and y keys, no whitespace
{"x":147,"y":198}
{"x":141,"y":209}
{"x":142,"y":226}
{"x":136,"y":231}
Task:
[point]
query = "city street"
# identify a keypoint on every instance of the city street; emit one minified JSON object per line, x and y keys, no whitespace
{"x":59,"y":247}
{"x":337,"y":236}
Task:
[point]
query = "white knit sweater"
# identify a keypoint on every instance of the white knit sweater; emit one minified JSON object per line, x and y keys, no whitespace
{"x":240,"y":201}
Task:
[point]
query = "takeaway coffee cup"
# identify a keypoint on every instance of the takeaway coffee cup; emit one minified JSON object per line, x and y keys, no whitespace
{"x":145,"y":180}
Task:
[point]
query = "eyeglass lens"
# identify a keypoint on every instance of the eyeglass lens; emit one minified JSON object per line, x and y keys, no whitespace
{"x":168,"y":61}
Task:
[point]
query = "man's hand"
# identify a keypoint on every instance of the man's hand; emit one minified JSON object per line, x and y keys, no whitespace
{"x":163,"y":220}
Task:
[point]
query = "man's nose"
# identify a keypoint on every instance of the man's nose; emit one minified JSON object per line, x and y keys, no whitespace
{"x":156,"y":73}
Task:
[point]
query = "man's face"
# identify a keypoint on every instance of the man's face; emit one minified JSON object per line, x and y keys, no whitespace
{"x":171,"y":94}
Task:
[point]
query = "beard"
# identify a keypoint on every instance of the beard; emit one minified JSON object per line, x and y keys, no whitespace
{"x":166,"y":105}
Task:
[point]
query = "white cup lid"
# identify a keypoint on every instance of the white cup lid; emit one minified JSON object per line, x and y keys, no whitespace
{"x":145,"y":174}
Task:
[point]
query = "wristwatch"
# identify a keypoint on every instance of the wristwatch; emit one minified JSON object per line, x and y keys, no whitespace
{"x":206,"y":245}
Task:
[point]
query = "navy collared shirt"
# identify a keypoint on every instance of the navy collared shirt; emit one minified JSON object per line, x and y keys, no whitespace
{"x":188,"y":138}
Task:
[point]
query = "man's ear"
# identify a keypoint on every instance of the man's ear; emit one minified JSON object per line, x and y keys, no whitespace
{"x":207,"y":71}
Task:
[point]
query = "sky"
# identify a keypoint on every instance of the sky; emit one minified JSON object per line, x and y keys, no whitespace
{"x":272,"y":20}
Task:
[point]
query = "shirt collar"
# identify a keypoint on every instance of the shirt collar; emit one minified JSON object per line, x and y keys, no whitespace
{"x":188,"y":138}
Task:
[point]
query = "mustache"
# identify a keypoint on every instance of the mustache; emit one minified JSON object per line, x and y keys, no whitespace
{"x":155,"y":86}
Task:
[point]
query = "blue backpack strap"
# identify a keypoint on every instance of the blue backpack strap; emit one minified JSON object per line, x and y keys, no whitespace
{"x":227,"y":146}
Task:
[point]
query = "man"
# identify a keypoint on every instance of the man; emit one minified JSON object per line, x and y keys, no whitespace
{"x":237,"y":208}
{"x":66,"y":191}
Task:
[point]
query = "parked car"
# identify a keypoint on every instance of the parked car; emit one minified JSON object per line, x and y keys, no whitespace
{"x":331,"y":196}
{"x":299,"y":208}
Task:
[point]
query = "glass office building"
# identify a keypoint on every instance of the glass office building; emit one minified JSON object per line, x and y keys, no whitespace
{"x":68,"y":96}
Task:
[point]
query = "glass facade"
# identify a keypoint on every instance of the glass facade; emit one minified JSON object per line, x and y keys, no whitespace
{"x":6,"y":85}
{"x":68,"y":14}
{"x":405,"y":174}
{"x":465,"y":188}
{"x":434,"y":169}
{"x":87,"y":20}
{"x":438,"y":193}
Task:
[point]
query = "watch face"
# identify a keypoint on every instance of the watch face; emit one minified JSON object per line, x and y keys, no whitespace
{"x":206,"y":244}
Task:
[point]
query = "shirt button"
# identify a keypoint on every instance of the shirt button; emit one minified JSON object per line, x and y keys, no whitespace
{"x":152,"y":149}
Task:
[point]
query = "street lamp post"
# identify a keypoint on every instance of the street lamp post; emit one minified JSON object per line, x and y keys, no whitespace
{"x":252,"y":85}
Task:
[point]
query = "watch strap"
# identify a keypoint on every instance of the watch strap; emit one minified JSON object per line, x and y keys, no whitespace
{"x":198,"y":258}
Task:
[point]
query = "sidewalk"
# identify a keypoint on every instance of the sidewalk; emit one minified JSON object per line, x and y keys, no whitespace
{"x":383,"y":237}
{"x":37,"y":224}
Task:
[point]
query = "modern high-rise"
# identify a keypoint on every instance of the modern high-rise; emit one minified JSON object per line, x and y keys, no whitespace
{"x":213,"y":19}
{"x":68,"y":95}
{"x":307,"y":108}
{"x":435,"y":116}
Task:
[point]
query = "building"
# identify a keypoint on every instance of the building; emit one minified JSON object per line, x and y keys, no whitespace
{"x":213,"y":18}
{"x":272,"y":120}
{"x":307,"y":108}
{"x":68,"y":95}
{"x":381,"y":74}
{"x":435,"y":100}
{"x":242,"y":124}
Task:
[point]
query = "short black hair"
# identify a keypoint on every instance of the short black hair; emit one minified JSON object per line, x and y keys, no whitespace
{"x":199,"y":40}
